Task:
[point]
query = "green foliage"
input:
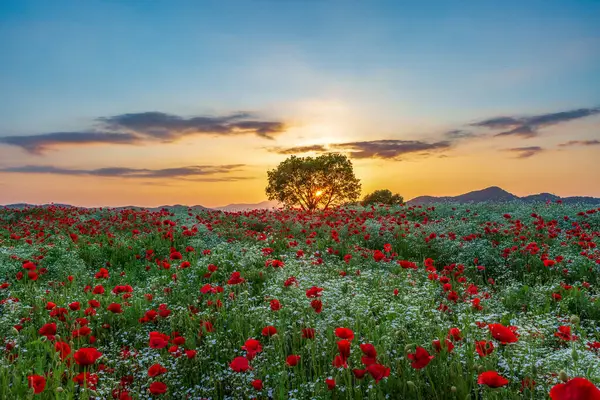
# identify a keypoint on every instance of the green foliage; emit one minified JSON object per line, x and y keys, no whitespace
{"x":382,"y":196}
{"x":312,"y":183}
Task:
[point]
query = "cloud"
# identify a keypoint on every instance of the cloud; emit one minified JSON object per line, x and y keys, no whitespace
{"x":299,"y":149}
{"x":37,"y":144}
{"x":389,"y":149}
{"x":383,"y":149}
{"x":528,"y":127}
{"x":526,"y":152}
{"x":458,"y":134}
{"x":580,"y":143}
{"x":170,"y":127}
{"x":195,"y":172}
{"x":149,"y":127}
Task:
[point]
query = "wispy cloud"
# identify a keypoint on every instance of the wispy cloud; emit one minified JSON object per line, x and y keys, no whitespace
{"x":528,"y":127}
{"x":580,"y":143}
{"x":525,"y":152}
{"x":459,"y":134}
{"x":37,"y":144}
{"x":148,"y":127}
{"x":170,"y":127}
{"x":318,"y":148}
{"x":195,"y":172}
{"x":389,"y":149}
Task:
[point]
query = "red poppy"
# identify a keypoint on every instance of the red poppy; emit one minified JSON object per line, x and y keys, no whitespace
{"x":235,"y":279}
{"x":190,"y":354}
{"x":48,"y":329}
{"x":378,"y":371}
{"x":86,"y":379}
{"x":252,"y":347}
{"x":340,"y":362}
{"x":420,"y":358}
{"x":438,"y":346}
{"x":359,"y":373}
{"x":86,"y":356}
{"x":269,"y":330}
{"x":158,"y":388}
{"x":454,"y":334}
{"x":503,"y":333}
{"x":257,"y":384}
{"x":158,"y":340}
{"x":564,"y":333}
{"x":317,"y":305}
{"x":292,"y":360}
{"x":114,"y":308}
{"x":369,"y":354}
{"x":575,"y":389}
{"x":484,"y":348}
{"x":37,"y":382}
{"x":314,"y":292}
{"x":330,"y":383}
{"x":240,"y":364}
{"x":275,"y":305}
{"x":491,"y":379}
{"x":344,"y":333}
{"x":308,"y":333}
{"x":156,"y":370}
{"x":63,"y":348}
{"x":344,"y":348}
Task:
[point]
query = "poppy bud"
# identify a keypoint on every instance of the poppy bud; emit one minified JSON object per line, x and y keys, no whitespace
{"x":409,"y":347}
{"x":575,"y":320}
{"x":411,"y":384}
{"x":15,"y":331}
{"x":59,"y":389}
{"x":453,"y":389}
{"x":562,"y":375}
{"x":574,"y":354}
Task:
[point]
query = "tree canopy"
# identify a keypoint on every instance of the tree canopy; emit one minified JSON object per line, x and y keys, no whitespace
{"x":382,"y":196}
{"x":311,"y":183}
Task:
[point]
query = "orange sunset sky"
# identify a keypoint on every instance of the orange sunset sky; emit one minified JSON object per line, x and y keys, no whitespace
{"x":425,"y":101}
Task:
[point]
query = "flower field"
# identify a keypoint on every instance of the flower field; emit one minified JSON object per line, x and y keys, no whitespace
{"x":483,"y":301}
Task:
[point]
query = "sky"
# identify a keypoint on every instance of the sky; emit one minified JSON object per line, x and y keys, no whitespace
{"x":140,"y":102}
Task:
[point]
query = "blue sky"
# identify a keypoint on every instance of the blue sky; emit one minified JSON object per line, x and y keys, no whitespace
{"x":406,"y":68}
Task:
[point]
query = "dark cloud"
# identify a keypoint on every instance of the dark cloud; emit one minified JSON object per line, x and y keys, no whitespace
{"x":580,"y":143}
{"x":37,"y":144}
{"x":299,"y":149}
{"x":458,"y":134}
{"x":526,"y":152}
{"x":148,"y":127}
{"x":529,"y":126}
{"x":384,"y":149}
{"x":195,"y":172}
{"x":389,"y":149}
{"x":169,"y":127}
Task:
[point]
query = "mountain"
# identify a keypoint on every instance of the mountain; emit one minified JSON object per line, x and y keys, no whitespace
{"x":267,"y":204}
{"x":543,"y":197}
{"x":499,"y":195}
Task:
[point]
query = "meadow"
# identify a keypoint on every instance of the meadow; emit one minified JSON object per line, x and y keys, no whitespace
{"x":452,"y":301}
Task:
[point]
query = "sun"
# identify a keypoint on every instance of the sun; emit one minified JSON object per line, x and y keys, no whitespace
{"x":318,"y":193}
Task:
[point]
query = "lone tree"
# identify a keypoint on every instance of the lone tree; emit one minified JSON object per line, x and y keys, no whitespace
{"x":383,"y":196}
{"x":321,"y":182}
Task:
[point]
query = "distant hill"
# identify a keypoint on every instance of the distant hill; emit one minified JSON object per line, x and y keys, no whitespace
{"x":175,"y":207}
{"x":496,"y":194}
{"x":268,"y":204}
{"x":491,"y":194}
